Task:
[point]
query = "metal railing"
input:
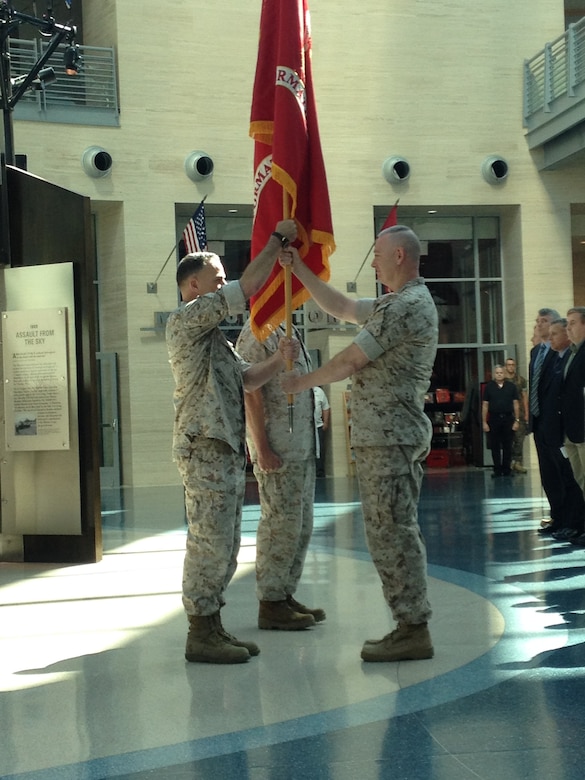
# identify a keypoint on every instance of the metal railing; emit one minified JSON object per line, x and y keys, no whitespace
{"x":90,"y":98}
{"x":555,"y":72}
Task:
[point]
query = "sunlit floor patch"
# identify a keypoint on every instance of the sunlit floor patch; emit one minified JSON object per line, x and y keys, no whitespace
{"x":103,"y":647}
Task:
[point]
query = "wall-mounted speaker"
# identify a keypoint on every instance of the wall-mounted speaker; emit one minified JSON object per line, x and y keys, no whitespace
{"x":395,"y":169}
{"x":198,"y":166}
{"x":494,"y":169}
{"x":96,"y":162}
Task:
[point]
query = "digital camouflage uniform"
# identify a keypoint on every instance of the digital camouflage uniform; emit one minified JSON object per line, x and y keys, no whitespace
{"x":391,"y":437}
{"x":208,"y":442}
{"x":286,"y":495}
{"x":520,"y":434}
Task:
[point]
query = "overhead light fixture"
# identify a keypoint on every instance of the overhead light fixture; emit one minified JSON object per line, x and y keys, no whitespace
{"x":72,"y":60}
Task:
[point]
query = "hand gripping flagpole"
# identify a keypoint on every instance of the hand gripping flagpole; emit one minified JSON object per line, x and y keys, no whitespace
{"x":288,"y":312}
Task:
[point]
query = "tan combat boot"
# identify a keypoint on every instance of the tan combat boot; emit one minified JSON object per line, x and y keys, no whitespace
{"x":317,"y":613}
{"x":406,"y":643}
{"x":206,"y":643}
{"x":251,"y":647}
{"x":279,"y":615}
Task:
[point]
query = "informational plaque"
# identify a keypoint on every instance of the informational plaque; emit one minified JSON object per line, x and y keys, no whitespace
{"x":36,"y":408}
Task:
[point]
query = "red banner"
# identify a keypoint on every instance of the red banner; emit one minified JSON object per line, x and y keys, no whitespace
{"x":289,"y":172}
{"x":392,"y":218}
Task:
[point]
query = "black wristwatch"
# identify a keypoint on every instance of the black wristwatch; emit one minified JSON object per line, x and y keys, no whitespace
{"x":284,"y":242}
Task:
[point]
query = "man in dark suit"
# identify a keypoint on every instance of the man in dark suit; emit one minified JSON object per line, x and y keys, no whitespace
{"x":573,"y":400}
{"x":539,"y":355}
{"x":547,"y":361}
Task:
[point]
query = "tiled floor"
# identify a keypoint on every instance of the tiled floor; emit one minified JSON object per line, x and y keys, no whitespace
{"x":94,"y":685}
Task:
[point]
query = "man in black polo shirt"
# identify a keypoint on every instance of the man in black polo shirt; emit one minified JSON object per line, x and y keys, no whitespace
{"x":500,"y":413}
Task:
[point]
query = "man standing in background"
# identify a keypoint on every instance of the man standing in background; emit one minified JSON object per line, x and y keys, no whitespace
{"x":322,"y":419}
{"x":512,"y":375}
{"x":541,"y":364}
{"x":499,"y":413}
{"x":573,"y":400}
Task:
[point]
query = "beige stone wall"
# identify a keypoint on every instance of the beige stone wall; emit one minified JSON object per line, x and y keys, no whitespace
{"x":439,"y":83}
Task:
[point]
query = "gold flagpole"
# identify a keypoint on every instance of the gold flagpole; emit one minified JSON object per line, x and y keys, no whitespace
{"x":288,"y":311}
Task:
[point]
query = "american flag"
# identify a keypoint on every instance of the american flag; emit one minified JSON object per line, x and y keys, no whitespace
{"x":195,"y":234}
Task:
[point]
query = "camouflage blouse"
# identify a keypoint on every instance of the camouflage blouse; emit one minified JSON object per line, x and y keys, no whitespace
{"x":209,"y":393}
{"x":300,"y":444}
{"x":399,"y":336}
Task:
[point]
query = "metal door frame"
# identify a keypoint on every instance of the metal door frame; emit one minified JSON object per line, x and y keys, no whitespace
{"x":108,"y":418}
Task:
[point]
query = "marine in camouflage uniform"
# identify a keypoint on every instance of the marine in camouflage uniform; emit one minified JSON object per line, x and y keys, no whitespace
{"x":209,"y":435}
{"x":391,"y":437}
{"x":208,"y":443}
{"x":284,"y":467}
{"x":391,"y":361}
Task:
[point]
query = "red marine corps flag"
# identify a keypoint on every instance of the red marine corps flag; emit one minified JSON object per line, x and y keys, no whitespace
{"x":289,"y":173}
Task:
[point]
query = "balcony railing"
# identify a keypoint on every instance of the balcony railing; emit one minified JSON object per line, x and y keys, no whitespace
{"x":555,"y":73}
{"x":90,"y":98}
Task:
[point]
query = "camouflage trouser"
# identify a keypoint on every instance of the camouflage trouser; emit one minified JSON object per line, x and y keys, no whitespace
{"x":214,"y":480}
{"x":518,"y":442}
{"x":390,"y":480}
{"x":285,"y":527}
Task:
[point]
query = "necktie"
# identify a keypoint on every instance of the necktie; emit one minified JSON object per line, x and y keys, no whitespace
{"x":538,"y":360}
{"x":573,"y":351}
